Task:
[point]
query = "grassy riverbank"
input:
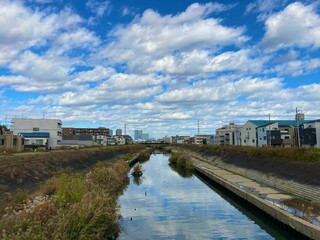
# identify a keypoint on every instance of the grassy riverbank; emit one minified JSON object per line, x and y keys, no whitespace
{"x":293,"y":153}
{"x":79,"y":206}
{"x":24,"y":171}
{"x":300,"y":165}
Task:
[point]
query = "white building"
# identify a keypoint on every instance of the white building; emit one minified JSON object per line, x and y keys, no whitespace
{"x":249,"y":132}
{"x":316,"y":125}
{"x":263,"y":131}
{"x":51,"y":126}
{"x":204,"y":139}
{"x":228,"y":135}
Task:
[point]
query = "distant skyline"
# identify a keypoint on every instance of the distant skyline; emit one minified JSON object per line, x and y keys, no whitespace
{"x":159,"y":66}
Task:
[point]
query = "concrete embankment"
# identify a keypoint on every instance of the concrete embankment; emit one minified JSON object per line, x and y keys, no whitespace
{"x":266,"y":198}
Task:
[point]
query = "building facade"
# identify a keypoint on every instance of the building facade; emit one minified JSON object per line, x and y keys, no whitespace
{"x":10,"y":142}
{"x":228,"y":135}
{"x":101,"y":131}
{"x":51,"y":126}
{"x":138,"y":134}
{"x":204,"y":139}
{"x":118,"y":132}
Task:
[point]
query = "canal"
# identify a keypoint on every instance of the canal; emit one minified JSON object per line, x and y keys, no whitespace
{"x":165,"y":204}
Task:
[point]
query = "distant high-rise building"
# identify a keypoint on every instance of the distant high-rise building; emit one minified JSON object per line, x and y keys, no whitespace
{"x":137,"y":134}
{"x":145,"y":136}
{"x":118,"y":132}
{"x":111,"y":132}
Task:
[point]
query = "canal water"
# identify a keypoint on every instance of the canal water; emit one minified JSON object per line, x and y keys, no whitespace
{"x":165,"y":204}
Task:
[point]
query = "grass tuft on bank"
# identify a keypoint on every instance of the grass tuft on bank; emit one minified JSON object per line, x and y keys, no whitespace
{"x":181,"y":160}
{"x":81,"y":206}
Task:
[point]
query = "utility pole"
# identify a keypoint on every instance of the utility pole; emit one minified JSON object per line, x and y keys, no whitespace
{"x":125,"y":129}
{"x":297,"y":123}
{"x":198,"y":127}
{"x":269,"y":133}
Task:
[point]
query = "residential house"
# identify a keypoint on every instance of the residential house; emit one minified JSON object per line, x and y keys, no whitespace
{"x":273,"y":132}
{"x":310,"y":134}
{"x":249,"y":133}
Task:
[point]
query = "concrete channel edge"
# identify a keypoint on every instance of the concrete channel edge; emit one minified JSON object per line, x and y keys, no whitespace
{"x":298,"y":224}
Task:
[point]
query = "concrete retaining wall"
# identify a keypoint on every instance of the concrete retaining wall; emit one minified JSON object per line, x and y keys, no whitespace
{"x":300,"y":225}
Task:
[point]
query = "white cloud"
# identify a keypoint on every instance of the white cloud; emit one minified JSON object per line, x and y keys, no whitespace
{"x":99,"y":8}
{"x":153,"y":36}
{"x":80,"y":38}
{"x":297,"y":25}
{"x":264,"y":8}
{"x":21,"y":28}
{"x":215,"y":92}
{"x":97,"y":74}
{"x":297,"y":67}
{"x":9,"y":80}
{"x":46,"y":73}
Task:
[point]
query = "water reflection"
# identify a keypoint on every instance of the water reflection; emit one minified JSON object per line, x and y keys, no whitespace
{"x":168,"y":206}
{"x":185,"y":173}
{"x":137,"y":180}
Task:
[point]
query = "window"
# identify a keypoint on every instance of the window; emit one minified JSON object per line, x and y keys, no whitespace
{"x":244,"y":141}
{"x":2,"y":142}
{"x":262,"y":129}
{"x":36,"y":129}
{"x":14,"y":142}
{"x":264,"y":138}
{"x":253,"y":140}
{"x":286,"y":137}
{"x":39,"y":142}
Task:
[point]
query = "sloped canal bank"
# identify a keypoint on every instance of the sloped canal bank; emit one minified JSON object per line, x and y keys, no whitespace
{"x":164,"y":205}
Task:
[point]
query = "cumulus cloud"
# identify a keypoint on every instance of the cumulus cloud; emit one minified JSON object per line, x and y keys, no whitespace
{"x":152,"y":36}
{"x":298,"y":25}
{"x":297,"y":67}
{"x":21,"y":28}
{"x":215,"y":92}
{"x":97,"y":74}
{"x":10,"y":80}
{"x":46,"y":73}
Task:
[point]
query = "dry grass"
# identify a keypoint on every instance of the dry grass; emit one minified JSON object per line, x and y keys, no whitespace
{"x":294,"y":153}
{"x":82,"y":206}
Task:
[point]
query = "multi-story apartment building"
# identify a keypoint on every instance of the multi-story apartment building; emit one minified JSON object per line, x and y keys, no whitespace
{"x":36,"y":129}
{"x":101,"y":131}
{"x":204,"y":139}
{"x":228,"y":135}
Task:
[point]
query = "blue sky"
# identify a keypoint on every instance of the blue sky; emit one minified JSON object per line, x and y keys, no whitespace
{"x":159,"y":66}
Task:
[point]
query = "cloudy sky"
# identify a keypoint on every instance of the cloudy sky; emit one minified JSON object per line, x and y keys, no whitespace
{"x":159,"y":65}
